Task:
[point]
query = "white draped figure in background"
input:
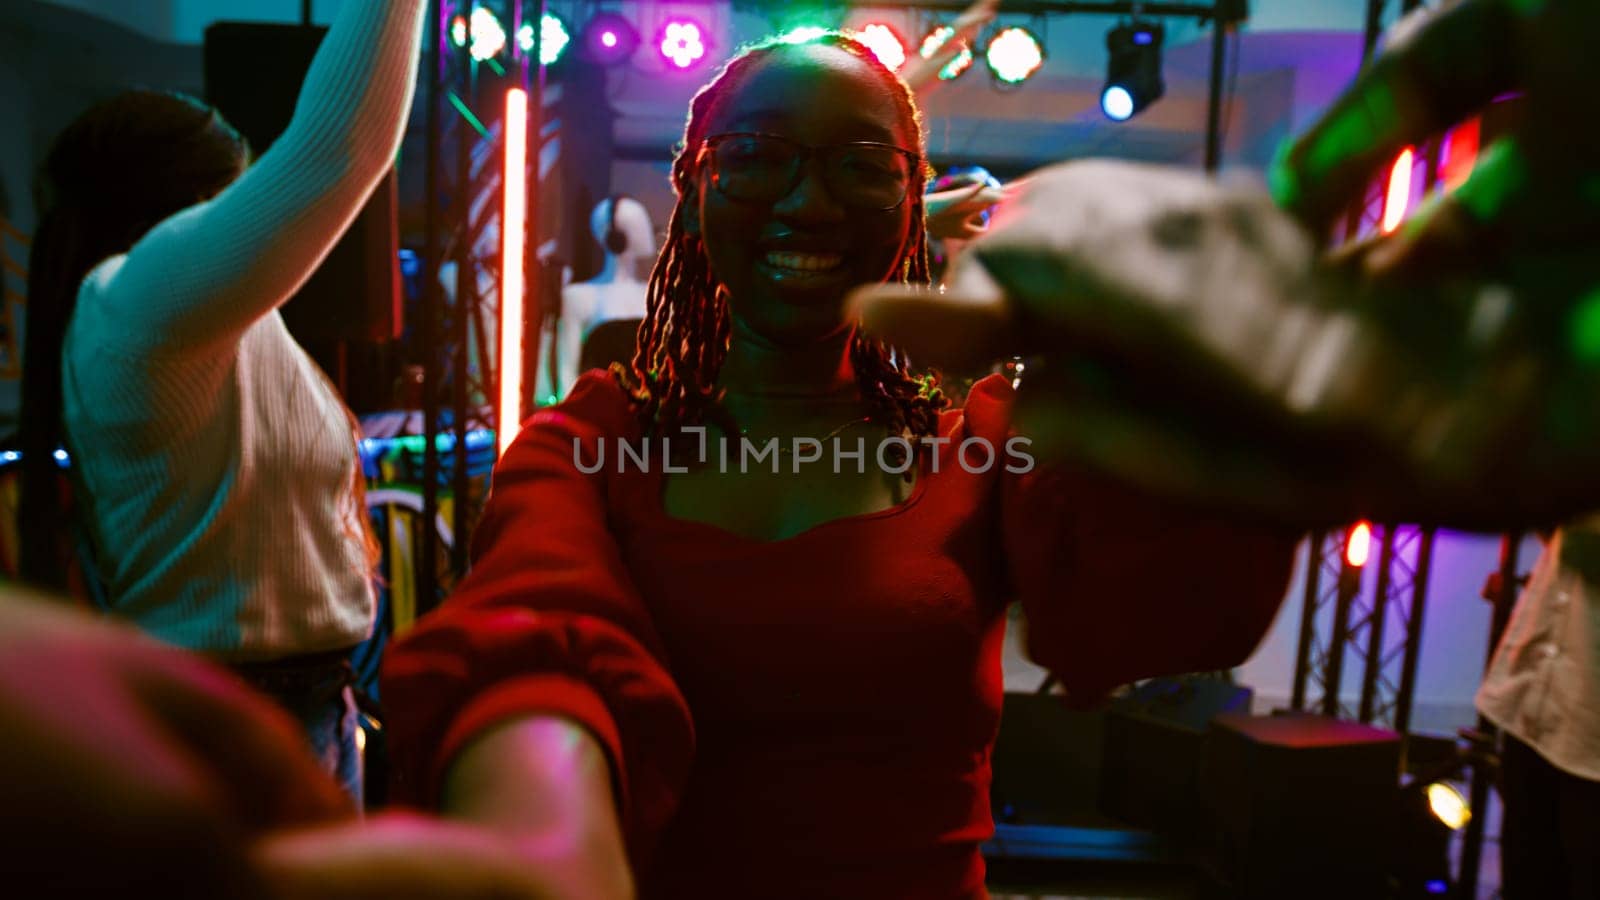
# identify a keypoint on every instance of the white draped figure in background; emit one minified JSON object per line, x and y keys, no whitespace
{"x":622,"y":227}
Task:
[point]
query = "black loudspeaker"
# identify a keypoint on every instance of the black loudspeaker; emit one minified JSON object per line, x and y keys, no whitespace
{"x":616,"y":238}
{"x":1154,"y":743}
{"x":1046,"y":762}
{"x":253,"y":74}
{"x":1303,"y":806}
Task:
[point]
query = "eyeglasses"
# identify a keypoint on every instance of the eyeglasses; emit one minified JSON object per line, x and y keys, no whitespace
{"x":765,"y":168}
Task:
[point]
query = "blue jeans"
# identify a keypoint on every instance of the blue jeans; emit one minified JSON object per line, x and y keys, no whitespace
{"x":332,"y":728}
{"x":316,"y":692}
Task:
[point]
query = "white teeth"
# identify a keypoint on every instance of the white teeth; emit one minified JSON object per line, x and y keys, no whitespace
{"x":804,"y":262}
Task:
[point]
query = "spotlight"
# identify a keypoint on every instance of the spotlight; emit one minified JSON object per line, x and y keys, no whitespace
{"x":884,"y":44}
{"x":488,"y":36}
{"x":1429,"y":812}
{"x":1133,"y":70}
{"x":682,"y":42}
{"x":1448,"y":806}
{"x":1397,"y":195}
{"x":609,"y":39}
{"x":1014,"y":54}
{"x":958,"y":64}
{"x":553,"y":39}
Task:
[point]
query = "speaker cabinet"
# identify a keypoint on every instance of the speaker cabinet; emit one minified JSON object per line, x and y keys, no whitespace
{"x":1303,"y":806}
{"x":1154,"y":742}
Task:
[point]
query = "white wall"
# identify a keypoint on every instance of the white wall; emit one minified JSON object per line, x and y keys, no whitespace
{"x":1454,"y":638}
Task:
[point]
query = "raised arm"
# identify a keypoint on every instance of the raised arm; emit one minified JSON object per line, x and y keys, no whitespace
{"x":205,"y":274}
{"x":921,"y":73}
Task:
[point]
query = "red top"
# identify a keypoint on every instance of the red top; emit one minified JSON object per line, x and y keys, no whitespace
{"x":810,"y":717}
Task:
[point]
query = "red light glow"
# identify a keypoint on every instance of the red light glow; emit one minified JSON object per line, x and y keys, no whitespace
{"x":1460,"y":153}
{"x":513,"y":228}
{"x":1358,"y":544}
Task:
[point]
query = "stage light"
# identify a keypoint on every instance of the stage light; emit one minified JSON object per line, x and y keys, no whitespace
{"x":513,"y":240}
{"x":1448,"y":805}
{"x":1133,"y":70}
{"x":934,"y":40}
{"x":553,"y":39}
{"x":885,"y":44}
{"x":802,"y":34}
{"x":458,"y":31}
{"x":1460,"y":153}
{"x":1358,"y":545}
{"x":609,"y":39}
{"x":1117,"y":103}
{"x":1397,"y":197}
{"x":683,"y":43}
{"x":488,"y":37}
{"x":1014,"y":55}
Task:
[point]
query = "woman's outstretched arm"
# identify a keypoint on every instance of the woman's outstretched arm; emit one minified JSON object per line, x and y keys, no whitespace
{"x":205,"y":274}
{"x":543,"y":782}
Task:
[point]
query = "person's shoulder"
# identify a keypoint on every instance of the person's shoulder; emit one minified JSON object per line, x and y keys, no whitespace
{"x":95,"y":322}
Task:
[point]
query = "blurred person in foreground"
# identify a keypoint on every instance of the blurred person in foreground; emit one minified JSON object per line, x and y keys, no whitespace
{"x":1446,"y":373}
{"x":133,"y":768}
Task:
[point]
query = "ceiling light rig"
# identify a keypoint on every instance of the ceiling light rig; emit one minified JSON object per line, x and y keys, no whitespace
{"x":1133,"y":70}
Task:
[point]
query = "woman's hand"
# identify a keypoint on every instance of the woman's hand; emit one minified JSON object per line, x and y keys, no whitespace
{"x":957,"y":213}
{"x":404,"y":857}
{"x":127,"y":762}
{"x":1183,"y":336}
{"x":1447,"y":373}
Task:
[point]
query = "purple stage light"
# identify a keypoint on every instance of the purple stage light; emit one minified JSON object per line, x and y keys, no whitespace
{"x":683,"y":43}
{"x":609,"y":39}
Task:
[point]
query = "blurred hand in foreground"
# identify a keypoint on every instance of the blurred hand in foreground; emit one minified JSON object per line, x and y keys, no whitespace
{"x":1188,"y":337}
{"x":131,"y":767}
{"x":1184,"y":335}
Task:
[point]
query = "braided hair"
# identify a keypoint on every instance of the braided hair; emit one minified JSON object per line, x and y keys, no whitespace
{"x":683,"y":340}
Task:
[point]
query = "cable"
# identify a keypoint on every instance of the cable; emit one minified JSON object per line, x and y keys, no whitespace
{"x":1230,"y":90}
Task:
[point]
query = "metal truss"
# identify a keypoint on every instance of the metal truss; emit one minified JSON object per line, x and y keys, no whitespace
{"x":462,"y":273}
{"x":1378,"y":630}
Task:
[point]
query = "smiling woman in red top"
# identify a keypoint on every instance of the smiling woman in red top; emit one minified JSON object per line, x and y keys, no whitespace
{"x":786,"y":680}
